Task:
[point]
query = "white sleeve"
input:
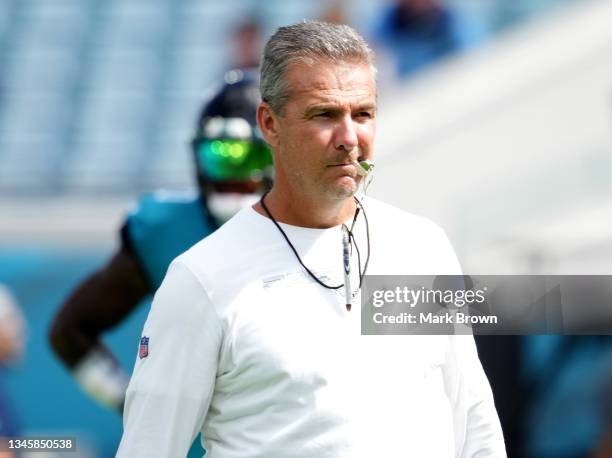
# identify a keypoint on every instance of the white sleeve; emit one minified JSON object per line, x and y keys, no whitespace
{"x":171,"y":388}
{"x":478,"y":432}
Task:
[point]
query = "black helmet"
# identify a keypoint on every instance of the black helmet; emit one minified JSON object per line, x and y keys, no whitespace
{"x":230,"y":154}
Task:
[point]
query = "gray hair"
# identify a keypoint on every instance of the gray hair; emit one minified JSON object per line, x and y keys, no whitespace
{"x":307,"y":42}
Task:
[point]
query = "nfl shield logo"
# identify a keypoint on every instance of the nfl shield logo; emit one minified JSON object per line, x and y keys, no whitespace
{"x":143,"y":352}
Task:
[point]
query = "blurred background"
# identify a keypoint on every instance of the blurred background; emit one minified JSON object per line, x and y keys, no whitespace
{"x":495,"y":120}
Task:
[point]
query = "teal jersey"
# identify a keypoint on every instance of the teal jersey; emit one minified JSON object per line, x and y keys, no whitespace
{"x":162,"y":226}
{"x":569,"y":378}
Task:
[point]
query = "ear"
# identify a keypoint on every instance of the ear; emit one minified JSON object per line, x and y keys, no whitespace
{"x":267,"y":121}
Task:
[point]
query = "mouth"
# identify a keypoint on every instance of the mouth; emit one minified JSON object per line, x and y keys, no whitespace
{"x":345,"y":170}
{"x":353,"y":163}
{"x":343,"y":165}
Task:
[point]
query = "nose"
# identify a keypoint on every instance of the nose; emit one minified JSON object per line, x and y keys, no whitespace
{"x":345,"y":135}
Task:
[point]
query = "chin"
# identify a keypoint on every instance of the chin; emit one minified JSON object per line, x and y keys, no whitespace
{"x":342,"y":188}
{"x":343,"y":192}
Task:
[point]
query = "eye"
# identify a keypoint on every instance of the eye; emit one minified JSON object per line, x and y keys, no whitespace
{"x":364,"y":114}
{"x":323,"y":114}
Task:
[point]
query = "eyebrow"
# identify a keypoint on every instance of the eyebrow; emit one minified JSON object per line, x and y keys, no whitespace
{"x":336,"y":109}
{"x":366,"y":107}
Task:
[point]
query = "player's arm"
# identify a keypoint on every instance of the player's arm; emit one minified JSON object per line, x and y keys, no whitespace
{"x":172,"y":385}
{"x":12,"y":328}
{"x":99,"y":303}
{"x":8,"y":346}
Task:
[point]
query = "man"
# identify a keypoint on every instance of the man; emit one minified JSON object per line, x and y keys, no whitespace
{"x":233,"y":169}
{"x":258,"y":349}
{"x":418,"y":33}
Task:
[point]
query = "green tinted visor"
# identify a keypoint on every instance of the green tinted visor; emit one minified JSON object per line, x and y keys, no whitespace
{"x":233,"y":160}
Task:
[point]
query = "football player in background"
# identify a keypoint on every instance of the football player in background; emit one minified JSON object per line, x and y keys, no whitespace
{"x":234,"y":168}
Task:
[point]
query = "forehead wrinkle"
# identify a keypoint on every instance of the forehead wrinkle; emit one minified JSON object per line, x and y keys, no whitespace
{"x":337,"y":95}
{"x":338,"y":75}
{"x":331,"y":87}
{"x":339,"y":85}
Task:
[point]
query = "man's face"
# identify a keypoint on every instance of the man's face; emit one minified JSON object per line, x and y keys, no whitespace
{"x":327,"y":123}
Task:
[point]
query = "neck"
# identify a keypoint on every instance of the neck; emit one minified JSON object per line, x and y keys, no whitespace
{"x":304,"y":212}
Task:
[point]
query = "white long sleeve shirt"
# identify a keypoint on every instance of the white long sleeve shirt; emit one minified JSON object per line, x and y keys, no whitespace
{"x":245,"y":347}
